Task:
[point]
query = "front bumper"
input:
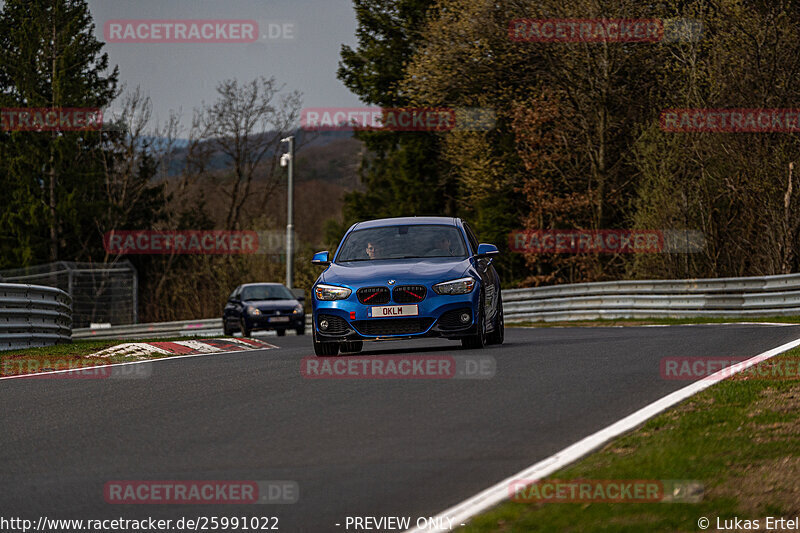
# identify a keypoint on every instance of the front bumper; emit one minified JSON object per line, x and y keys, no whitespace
{"x":439,"y":316}
{"x":264,"y":322}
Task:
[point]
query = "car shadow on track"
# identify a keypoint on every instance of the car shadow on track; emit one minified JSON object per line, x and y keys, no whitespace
{"x":422,"y":350}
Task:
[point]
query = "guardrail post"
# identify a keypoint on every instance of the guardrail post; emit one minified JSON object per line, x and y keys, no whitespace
{"x":135,"y":295}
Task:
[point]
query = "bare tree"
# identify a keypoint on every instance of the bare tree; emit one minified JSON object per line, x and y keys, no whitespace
{"x":133,"y":154}
{"x":246,"y":124}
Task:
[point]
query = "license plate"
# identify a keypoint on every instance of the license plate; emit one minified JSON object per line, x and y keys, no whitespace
{"x":279,"y":319}
{"x":388,"y":311}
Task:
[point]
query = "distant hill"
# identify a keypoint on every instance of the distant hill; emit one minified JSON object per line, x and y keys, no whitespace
{"x":326,"y":168}
{"x":305,"y":140}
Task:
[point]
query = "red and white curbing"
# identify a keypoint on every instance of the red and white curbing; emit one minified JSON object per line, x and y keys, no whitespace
{"x":189,"y":347}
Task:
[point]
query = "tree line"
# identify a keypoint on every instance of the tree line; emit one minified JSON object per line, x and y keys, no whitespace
{"x":63,"y":190}
{"x":578,"y":141}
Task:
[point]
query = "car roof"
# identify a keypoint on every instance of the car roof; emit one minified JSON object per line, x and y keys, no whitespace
{"x":405,"y":221}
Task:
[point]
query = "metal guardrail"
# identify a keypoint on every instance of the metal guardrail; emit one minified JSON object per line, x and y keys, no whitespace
{"x":100,"y":292}
{"x":185,"y":328}
{"x":32,"y":315}
{"x":713,"y":297}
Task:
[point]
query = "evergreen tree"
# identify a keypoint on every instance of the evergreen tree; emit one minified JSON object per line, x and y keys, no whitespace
{"x":52,"y":181}
{"x":401,"y":170}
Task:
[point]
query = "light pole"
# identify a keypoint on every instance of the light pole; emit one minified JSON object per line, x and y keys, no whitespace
{"x":287,"y":159}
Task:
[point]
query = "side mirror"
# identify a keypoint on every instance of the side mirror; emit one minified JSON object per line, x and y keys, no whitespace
{"x":299,"y":295}
{"x":486,"y":250}
{"x":321,"y":258}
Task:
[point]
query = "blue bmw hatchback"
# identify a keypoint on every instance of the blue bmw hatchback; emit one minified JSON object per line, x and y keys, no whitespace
{"x":404,"y":278}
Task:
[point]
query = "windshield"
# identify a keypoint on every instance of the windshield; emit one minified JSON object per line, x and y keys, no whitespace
{"x":266,"y":292}
{"x":402,"y":242}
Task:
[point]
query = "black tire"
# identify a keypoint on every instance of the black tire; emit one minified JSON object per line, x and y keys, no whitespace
{"x":325,"y":349}
{"x":225,"y":329}
{"x":352,"y":346}
{"x":301,"y":330}
{"x":477,"y":341}
{"x":499,"y":334}
{"x":281,"y":332}
{"x":245,"y":332}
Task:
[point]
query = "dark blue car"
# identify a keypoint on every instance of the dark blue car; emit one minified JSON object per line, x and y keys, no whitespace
{"x":263,"y":306}
{"x":402,"y":278}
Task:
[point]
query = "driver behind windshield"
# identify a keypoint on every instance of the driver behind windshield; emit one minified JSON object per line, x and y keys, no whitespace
{"x":441,"y":246}
{"x":373,"y":250}
{"x":402,"y":242}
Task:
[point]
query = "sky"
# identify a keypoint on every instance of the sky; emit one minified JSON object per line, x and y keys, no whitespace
{"x":302,"y":52}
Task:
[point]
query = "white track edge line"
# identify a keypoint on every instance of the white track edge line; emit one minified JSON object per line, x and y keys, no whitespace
{"x":462,"y":512}
{"x":153,"y":360}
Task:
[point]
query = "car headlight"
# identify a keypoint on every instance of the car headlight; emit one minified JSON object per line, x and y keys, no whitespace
{"x":456,"y":286}
{"x":253,"y":311}
{"x":331,"y":292}
{"x":298,"y":309}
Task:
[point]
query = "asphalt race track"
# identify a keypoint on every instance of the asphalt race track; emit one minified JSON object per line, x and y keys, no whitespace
{"x":355,"y":447}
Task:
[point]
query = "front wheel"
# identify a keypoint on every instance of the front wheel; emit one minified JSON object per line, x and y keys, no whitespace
{"x":499,"y":334}
{"x":245,"y":332}
{"x":325,"y":349}
{"x":477,"y":341}
{"x":225,"y":329}
{"x":301,"y":330}
{"x":281,"y":332}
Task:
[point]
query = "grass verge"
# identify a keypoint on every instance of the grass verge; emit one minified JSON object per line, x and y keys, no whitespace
{"x":740,"y":438}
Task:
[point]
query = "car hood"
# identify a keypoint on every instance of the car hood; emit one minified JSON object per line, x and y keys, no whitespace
{"x":403,"y":271}
{"x":266,"y":305}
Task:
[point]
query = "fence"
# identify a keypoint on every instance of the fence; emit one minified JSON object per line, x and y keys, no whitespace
{"x":100,"y":292}
{"x":31,"y":315}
